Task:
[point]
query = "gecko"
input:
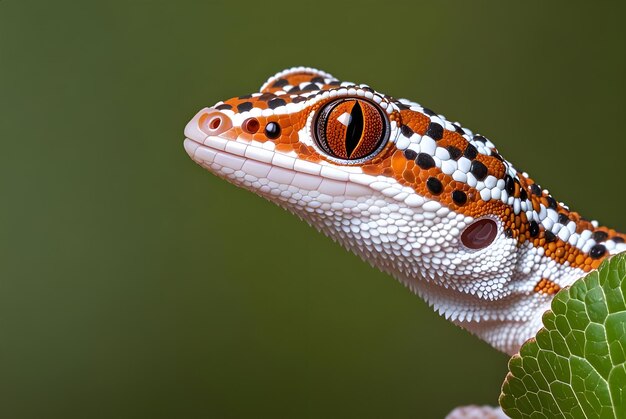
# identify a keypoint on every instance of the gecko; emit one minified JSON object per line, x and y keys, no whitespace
{"x":419,"y":197}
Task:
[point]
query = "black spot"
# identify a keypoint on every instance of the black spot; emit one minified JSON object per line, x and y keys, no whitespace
{"x":425,"y":161}
{"x":310,"y":87}
{"x":272,"y":130}
{"x":496,"y":155}
{"x":244,"y":106}
{"x":435,"y":131}
{"x":563,"y":219}
{"x":335,"y":83}
{"x":523,"y":194}
{"x":298,"y":99}
{"x":480,"y":138}
{"x":470,"y":152}
{"x":245,"y":97}
{"x":266,"y":96}
{"x":599,"y":236}
{"x":551,"y":202}
{"x":406,"y":131}
{"x":275,"y":103}
{"x":459,"y":129}
{"x":410,"y":154}
{"x":479,"y":170}
{"x":535,"y":189}
{"x":428,"y":112}
{"x":224,"y":106}
{"x":402,"y":106}
{"x":459,"y":197}
{"x":280,"y":83}
{"x":549,"y":236}
{"x":617,"y":239}
{"x":434,"y":185}
{"x":509,"y":185}
{"x":508,"y":233}
{"x":533,"y":229}
{"x":597,"y":251}
{"x":318,"y":79}
{"x":455,"y":153}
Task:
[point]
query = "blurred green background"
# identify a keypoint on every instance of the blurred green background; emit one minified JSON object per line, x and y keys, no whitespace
{"x":133,"y":284}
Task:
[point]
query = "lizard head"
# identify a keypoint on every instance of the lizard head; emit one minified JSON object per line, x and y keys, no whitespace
{"x":419,"y":197}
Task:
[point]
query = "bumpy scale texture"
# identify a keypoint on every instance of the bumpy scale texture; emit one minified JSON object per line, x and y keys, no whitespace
{"x":419,"y":197}
{"x":576,"y":366}
{"x":477,"y":412}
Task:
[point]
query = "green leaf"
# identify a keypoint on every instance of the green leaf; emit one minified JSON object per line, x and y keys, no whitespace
{"x":575,"y":367}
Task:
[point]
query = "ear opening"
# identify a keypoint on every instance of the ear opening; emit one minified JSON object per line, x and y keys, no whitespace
{"x":295,"y":76}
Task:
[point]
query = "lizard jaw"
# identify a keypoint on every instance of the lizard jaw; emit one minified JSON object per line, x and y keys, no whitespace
{"x":263,"y":171}
{"x":268,"y":180}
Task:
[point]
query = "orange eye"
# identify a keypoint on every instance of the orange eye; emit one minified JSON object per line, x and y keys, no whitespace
{"x":351,"y":129}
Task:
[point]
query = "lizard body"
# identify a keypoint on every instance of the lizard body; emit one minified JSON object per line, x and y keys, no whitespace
{"x":421,"y":198}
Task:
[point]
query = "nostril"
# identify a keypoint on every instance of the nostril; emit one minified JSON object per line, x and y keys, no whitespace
{"x":214,"y":123}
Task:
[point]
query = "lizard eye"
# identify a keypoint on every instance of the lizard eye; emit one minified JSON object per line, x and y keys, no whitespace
{"x":351,"y":129}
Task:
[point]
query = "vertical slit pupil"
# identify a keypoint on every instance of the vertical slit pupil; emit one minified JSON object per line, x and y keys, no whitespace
{"x":355,"y":129}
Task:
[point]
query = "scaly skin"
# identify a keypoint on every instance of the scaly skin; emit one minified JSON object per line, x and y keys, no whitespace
{"x":422,"y":199}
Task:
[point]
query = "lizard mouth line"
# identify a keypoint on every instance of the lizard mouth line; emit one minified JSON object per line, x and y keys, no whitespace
{"x":231,"y":156}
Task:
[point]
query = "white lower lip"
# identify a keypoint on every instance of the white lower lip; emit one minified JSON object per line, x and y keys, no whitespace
{"x":224,"y":163}
{"x":207,"y":156}
{"x":190,"y":147}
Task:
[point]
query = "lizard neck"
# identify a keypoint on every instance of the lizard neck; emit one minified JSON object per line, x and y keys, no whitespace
{"x":502,"y":305}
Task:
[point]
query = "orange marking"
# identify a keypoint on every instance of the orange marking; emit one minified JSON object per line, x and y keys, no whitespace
{"x":545,"y":286}
{"x":418,"y":122}
{"x":392,"y":162}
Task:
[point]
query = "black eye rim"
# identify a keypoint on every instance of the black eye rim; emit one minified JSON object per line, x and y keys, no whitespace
{"x":320,"y":119}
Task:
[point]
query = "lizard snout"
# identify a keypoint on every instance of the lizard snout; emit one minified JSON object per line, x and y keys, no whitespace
{"x":207,"y":122}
